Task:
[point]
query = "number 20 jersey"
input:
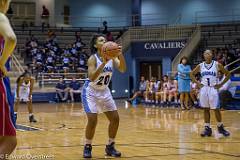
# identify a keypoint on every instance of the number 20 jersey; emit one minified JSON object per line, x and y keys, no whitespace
{"x":103,"y":79}
{"x":209,"y":73}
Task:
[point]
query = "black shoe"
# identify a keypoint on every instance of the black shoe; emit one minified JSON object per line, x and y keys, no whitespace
{"x":111,"y":151}
{"x":32,"y":119}
{"x":223,"y":131}
{"x":207,"y":132}
{"x":87,"y":152}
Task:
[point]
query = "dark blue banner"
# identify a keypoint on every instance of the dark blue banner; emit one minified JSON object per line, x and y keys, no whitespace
{"x":157,"y":48}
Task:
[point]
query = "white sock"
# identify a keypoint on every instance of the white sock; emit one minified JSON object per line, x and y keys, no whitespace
{"x":30,"y":114}
{"x":15,"y":112}
{"x":207,"y":125}
{"x":156,"y":101}
{"x":111,"y":140}
{"x":175,"y":101}
{"x":219,"y":124}
{"x":88,"y":141}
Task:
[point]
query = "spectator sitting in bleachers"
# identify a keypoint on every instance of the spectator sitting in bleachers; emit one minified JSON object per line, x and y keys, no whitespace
{"x":82,"y":63}
{"x":62,"y":90}
{"x":50,"y":62}
{"x":31,"y":46}
{"x":73,"y":50}
{"x":141,"y":90}
{"x":49,"y":57}
{"x":67,"y":50}
{"x":75,"y":88}
{"x":79,"y":44}
{"x":39,"y":60}
{"x":65,"y":63}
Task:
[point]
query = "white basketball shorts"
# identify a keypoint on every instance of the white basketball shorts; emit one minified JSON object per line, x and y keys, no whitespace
{"x":97,"y":101}
{"x":209,"y":97}
{"x":23,"y":95}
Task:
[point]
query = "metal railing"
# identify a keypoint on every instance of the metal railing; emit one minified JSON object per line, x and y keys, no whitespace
{"x":193,"y":41}
{"x":17,"y":65}
{"x":135,"y":34}
{"x":52,"y":78}
{"x":232,"y":63}
{"x":215,"y":16}
{"x":88,"y":21}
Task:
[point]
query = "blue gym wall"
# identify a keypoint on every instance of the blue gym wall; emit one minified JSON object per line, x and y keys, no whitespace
{"x":166,"y":11}
{"x":101,"y":8}
{"x":120,"y":81}
{"x":171,"y":8}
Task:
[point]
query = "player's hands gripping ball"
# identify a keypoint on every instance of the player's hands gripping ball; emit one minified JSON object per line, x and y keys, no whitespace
{"x":111,"y":50}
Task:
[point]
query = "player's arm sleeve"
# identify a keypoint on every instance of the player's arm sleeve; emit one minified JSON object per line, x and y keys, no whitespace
{"x":10,"y":39}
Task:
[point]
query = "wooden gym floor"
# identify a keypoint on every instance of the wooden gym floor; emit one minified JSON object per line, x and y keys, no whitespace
{"x":144,"y":133}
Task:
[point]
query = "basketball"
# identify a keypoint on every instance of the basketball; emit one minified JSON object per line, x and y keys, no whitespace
{"x":111,"y":49}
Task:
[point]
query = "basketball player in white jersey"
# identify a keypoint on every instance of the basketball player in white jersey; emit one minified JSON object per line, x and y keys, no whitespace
{"x":209,"y":98}
{"x":97,"y":98}
{"x":24,"y":94}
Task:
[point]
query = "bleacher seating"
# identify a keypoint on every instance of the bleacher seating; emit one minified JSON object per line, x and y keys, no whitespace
{"x":217,"y":36}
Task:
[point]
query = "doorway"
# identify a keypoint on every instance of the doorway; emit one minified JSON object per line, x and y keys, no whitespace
{"x":151,"y":69}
